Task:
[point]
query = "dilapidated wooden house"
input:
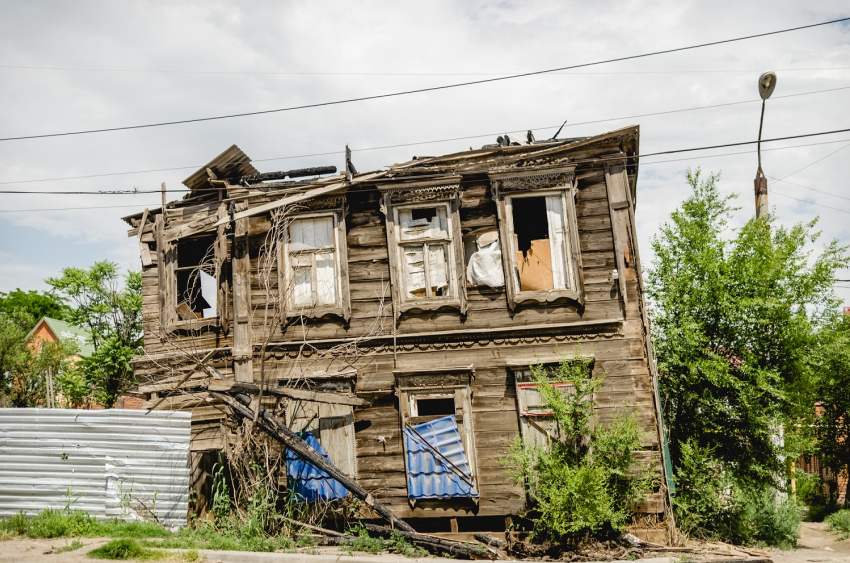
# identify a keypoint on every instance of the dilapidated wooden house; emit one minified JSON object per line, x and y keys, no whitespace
{"x":410,"y":298}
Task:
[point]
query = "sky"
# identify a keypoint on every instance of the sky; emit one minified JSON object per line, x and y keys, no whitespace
{"x":88,"y":65}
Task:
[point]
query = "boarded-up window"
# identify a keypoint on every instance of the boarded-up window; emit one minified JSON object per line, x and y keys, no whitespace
{"x":436,"y":417}
{"x":537,"y":425}
{"x":331,"y":425}
{"x":314,"y":264}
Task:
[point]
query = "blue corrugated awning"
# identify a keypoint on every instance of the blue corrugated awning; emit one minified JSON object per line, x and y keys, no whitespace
{"x":307,"y":482}
{"x":432,"y":475}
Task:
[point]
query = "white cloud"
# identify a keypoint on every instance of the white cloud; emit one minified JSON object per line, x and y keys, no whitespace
{"x":444,"y":37}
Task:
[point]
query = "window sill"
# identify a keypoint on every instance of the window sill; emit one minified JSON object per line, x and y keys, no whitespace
{"x":317,"y":313}
{"x":428,"y":305}
{"x":525,"y":297}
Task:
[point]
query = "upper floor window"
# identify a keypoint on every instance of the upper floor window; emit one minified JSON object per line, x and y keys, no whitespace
{"x":537,"y":221}
{"x":425,"y":248}
{"x":314,"y":280}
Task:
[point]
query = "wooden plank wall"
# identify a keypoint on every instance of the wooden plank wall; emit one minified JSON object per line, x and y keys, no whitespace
{"x":619,"y":354}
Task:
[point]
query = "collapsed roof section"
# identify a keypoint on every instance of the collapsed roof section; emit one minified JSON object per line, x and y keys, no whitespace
{"x":233,"y":165}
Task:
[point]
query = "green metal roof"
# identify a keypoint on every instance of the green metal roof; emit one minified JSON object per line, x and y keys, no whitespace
{"x":67,"y":331}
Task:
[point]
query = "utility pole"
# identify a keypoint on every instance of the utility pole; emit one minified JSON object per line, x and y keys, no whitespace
{"x":767,"y":83}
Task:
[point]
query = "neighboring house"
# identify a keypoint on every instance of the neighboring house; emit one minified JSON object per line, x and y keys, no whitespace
{"x":418,"y":296}
{"x":54,"y":330}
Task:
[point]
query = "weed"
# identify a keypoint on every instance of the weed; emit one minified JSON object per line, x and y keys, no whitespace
{"x":364,"y":542}
{"x":73,"y":546}
{"x":400,"y":545}
{"x":121,"y":550}
{"x":839,"y":522}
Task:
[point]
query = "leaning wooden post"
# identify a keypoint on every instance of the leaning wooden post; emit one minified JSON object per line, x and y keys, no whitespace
{"x":299,"y":447}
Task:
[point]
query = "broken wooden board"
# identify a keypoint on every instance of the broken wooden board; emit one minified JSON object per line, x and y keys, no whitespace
{"x":229,"y":386}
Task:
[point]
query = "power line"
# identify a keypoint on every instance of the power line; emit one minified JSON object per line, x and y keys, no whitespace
{"x":421,"y":90}
{"x":77,"y":208}
{"x":673,"y":151}
{"x":812,"y":189}
{"x":812,"y":164}
{"x":280,"y":73}
{"x":810,"y":202}
{"x":401,"y":145}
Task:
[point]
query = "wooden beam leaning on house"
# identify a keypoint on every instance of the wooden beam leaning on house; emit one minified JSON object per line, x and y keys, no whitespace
{"x":299,"y":447}
{"x":230,"y":386}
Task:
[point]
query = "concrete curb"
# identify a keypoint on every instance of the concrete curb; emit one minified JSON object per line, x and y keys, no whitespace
{"x":260,"y":557}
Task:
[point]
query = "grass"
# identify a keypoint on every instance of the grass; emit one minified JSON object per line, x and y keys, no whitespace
{"x":128,"y":548}
{"x":839,"y":522}
{"x":73,"y":546}
{"x":53,"y":523}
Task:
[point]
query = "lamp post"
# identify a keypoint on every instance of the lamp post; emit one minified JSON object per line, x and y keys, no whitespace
{"x":767,"y":83}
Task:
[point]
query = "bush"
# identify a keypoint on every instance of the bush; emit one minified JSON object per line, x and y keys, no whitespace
{"x":585,"y":481}
{"x":839,"y":522}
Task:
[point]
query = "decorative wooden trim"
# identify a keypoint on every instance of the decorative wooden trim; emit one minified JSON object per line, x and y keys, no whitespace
{"x":518,"y":182}
{"x":342,"y":309}
{"x":616,"y":183}
{"x":396,"y":197}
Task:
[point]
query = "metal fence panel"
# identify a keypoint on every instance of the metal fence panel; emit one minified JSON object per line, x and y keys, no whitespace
{"x":115,"y":463}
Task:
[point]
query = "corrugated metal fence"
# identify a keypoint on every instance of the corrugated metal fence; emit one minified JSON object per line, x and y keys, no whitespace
{"x":113,"y":463}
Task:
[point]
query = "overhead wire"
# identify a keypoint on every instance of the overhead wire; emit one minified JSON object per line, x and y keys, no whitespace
{"x":658,"y":153}
{"x":427,"y":89}
{"x":418,"y":143}
{"x":363,"y":73}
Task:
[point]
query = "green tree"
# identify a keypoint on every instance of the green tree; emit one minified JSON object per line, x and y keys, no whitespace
{"x":34,"y":303}
{"x":833,"y":420}
{"x":737,"y":317}
{"x":109,"y":305}
{"x":585,"y":480}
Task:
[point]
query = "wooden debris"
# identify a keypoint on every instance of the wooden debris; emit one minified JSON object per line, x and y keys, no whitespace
{"x":229,"y":386}
{"x":435,"y":544}
{"x":490,"y":540}
{"x":299,"y":447}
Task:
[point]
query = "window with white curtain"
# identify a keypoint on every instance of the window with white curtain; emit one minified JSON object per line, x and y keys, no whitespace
{"x":313,"y":263}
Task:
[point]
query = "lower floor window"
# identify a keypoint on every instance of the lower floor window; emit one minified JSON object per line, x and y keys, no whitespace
{"x":439,"y":448}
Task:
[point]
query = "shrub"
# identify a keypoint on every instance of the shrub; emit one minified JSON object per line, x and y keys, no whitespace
{"x":586,"y":479}
{"x":839,"y":522}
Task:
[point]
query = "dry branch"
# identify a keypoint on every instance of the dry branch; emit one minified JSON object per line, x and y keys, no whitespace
{"x":296,"y":445}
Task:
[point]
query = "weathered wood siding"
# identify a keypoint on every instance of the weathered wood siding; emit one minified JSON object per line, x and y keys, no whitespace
{"x":490,"y":337}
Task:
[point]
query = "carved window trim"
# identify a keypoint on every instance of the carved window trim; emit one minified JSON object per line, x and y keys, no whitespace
{"x":439,"y":383}
{"x":342,"y":307}
{"x":539,"y":183}
{"x":418,"y":195}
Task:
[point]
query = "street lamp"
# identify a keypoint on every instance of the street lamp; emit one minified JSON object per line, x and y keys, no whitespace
{"x":767,"y":83}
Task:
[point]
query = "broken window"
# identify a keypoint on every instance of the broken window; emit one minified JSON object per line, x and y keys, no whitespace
{"x":483,"y":253}
{"x":425,"y":252}
{"x":540,"y":246}
{"x":195,"y":278}
{"x":537,"y":425}
{"x":314,"y":264}
{"x":436,"y":417}
{"x":424,"y":246}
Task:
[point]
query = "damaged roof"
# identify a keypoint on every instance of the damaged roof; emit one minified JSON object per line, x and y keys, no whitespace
{"x":229,"y":164}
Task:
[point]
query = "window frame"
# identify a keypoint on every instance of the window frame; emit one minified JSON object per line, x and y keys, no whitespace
{"x":508,"y":186}
{"x":440,"y":383}
{"x":167,"y":248}
{"x":342,"y":307}
{"x":397,"y":198}
{"x":325,"y":412}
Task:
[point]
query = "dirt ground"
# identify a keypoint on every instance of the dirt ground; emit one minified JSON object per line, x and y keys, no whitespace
{"x":816,"y":546}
